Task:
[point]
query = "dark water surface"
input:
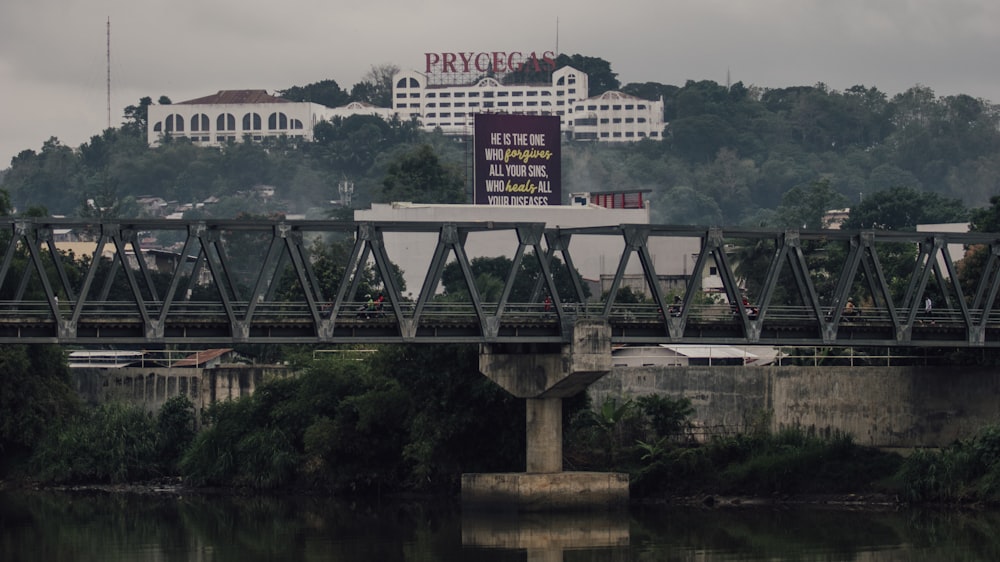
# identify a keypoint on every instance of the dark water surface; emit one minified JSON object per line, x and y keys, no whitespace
{"x":57,"y":526}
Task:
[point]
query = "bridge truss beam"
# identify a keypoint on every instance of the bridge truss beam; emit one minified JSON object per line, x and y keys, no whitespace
{"x":259,"y":281}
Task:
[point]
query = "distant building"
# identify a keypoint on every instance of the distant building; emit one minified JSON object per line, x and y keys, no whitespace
{"x":609,"y":117}
{"x":232,"y":115}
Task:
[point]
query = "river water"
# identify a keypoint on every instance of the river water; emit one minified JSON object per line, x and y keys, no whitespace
{"x":61,"y":526}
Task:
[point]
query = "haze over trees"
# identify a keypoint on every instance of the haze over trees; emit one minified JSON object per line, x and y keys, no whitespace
{"x":737,"y":155}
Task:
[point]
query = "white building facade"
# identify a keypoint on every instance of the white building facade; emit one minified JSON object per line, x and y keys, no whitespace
{"x":610,"y":117}
{"x":232,"y":115}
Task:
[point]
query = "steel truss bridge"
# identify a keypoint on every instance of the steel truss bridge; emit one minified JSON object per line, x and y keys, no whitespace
{"x":258,"y":281}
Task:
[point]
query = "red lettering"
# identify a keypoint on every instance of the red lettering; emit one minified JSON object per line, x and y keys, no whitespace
{"x":432,"y":59}
{"x":499,"y":65}
{"x":466,"y":59}
{"x":549,"y":58}
{"x":498,"y":61}
{"x":480,"y":66}
{"x":512,"y":64}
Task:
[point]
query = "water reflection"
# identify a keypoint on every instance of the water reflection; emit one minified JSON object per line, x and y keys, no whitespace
{"x":546,"y":537}
{"x":84,"y":527}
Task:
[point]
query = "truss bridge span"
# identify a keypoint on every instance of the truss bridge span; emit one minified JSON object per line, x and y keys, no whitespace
{"x":273,"y":281}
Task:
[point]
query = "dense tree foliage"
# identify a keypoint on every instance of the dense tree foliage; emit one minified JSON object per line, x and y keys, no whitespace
{"x":412,"y":418}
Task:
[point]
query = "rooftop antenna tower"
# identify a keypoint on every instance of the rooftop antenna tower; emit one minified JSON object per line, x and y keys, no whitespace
{"x":557,"y":36}
{"x":109,"y":71}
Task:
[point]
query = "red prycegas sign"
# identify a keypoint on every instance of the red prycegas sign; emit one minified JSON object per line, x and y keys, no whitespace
{"x":497,"y":61}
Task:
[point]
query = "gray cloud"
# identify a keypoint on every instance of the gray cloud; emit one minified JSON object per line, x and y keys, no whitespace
{"x":53,"y":64}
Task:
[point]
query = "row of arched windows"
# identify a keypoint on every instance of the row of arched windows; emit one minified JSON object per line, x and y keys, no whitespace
{"x":227,"y":122}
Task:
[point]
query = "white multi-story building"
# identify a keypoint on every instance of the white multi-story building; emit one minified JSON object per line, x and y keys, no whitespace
{"x":609,"y":117}
{"x":232,"y":115}
{"x":617,"y":117}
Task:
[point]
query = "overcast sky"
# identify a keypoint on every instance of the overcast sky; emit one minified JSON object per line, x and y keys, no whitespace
{"x":53,"y":53}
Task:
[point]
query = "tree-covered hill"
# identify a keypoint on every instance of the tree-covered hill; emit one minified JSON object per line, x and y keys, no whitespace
{"x":736,"y":155}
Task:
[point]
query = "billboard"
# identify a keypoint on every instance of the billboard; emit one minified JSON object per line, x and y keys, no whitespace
{"x":517,"y":160}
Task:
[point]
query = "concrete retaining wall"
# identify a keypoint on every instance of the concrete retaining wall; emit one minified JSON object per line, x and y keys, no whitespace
{"x":149,"y":388}
{"x":878,"y":406}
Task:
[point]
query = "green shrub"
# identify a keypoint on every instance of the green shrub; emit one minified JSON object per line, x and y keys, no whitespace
{"x":175,"y":430}
{"x":114,"y":443}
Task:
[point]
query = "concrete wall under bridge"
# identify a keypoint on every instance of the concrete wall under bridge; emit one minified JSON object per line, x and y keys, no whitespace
{"x":887,"y":407}
{"x":149,"y":388}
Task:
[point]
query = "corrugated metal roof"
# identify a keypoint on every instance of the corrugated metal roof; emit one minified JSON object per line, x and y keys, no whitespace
{"x":201,"y":357}
{"x":237,"y":97}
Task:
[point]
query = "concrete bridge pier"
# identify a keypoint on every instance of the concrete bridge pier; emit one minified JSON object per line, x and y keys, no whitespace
{"x":544,"y":374}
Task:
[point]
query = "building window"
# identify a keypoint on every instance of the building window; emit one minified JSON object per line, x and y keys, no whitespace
{"x":445,"y":94}
{"x":415,"y":95}
{"x":431,"y":95}
{"x":251,"y":122}
{"x":174,"y":123}
{"x":473,"y":94}
{"x":225,"y":122}
{"x":616,"y":107}
{"x":199,"y":122}
{"x":277,"y":122}
{"x":629,"y":107}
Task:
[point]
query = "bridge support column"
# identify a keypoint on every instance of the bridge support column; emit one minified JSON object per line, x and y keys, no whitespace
{"x":544,"y":374}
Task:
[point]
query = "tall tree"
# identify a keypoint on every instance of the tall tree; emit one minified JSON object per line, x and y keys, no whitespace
{"x":419,"y":176}
{"x":376,"y":85}
{"x":903,"y":208}
{"x":324,"y":92}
